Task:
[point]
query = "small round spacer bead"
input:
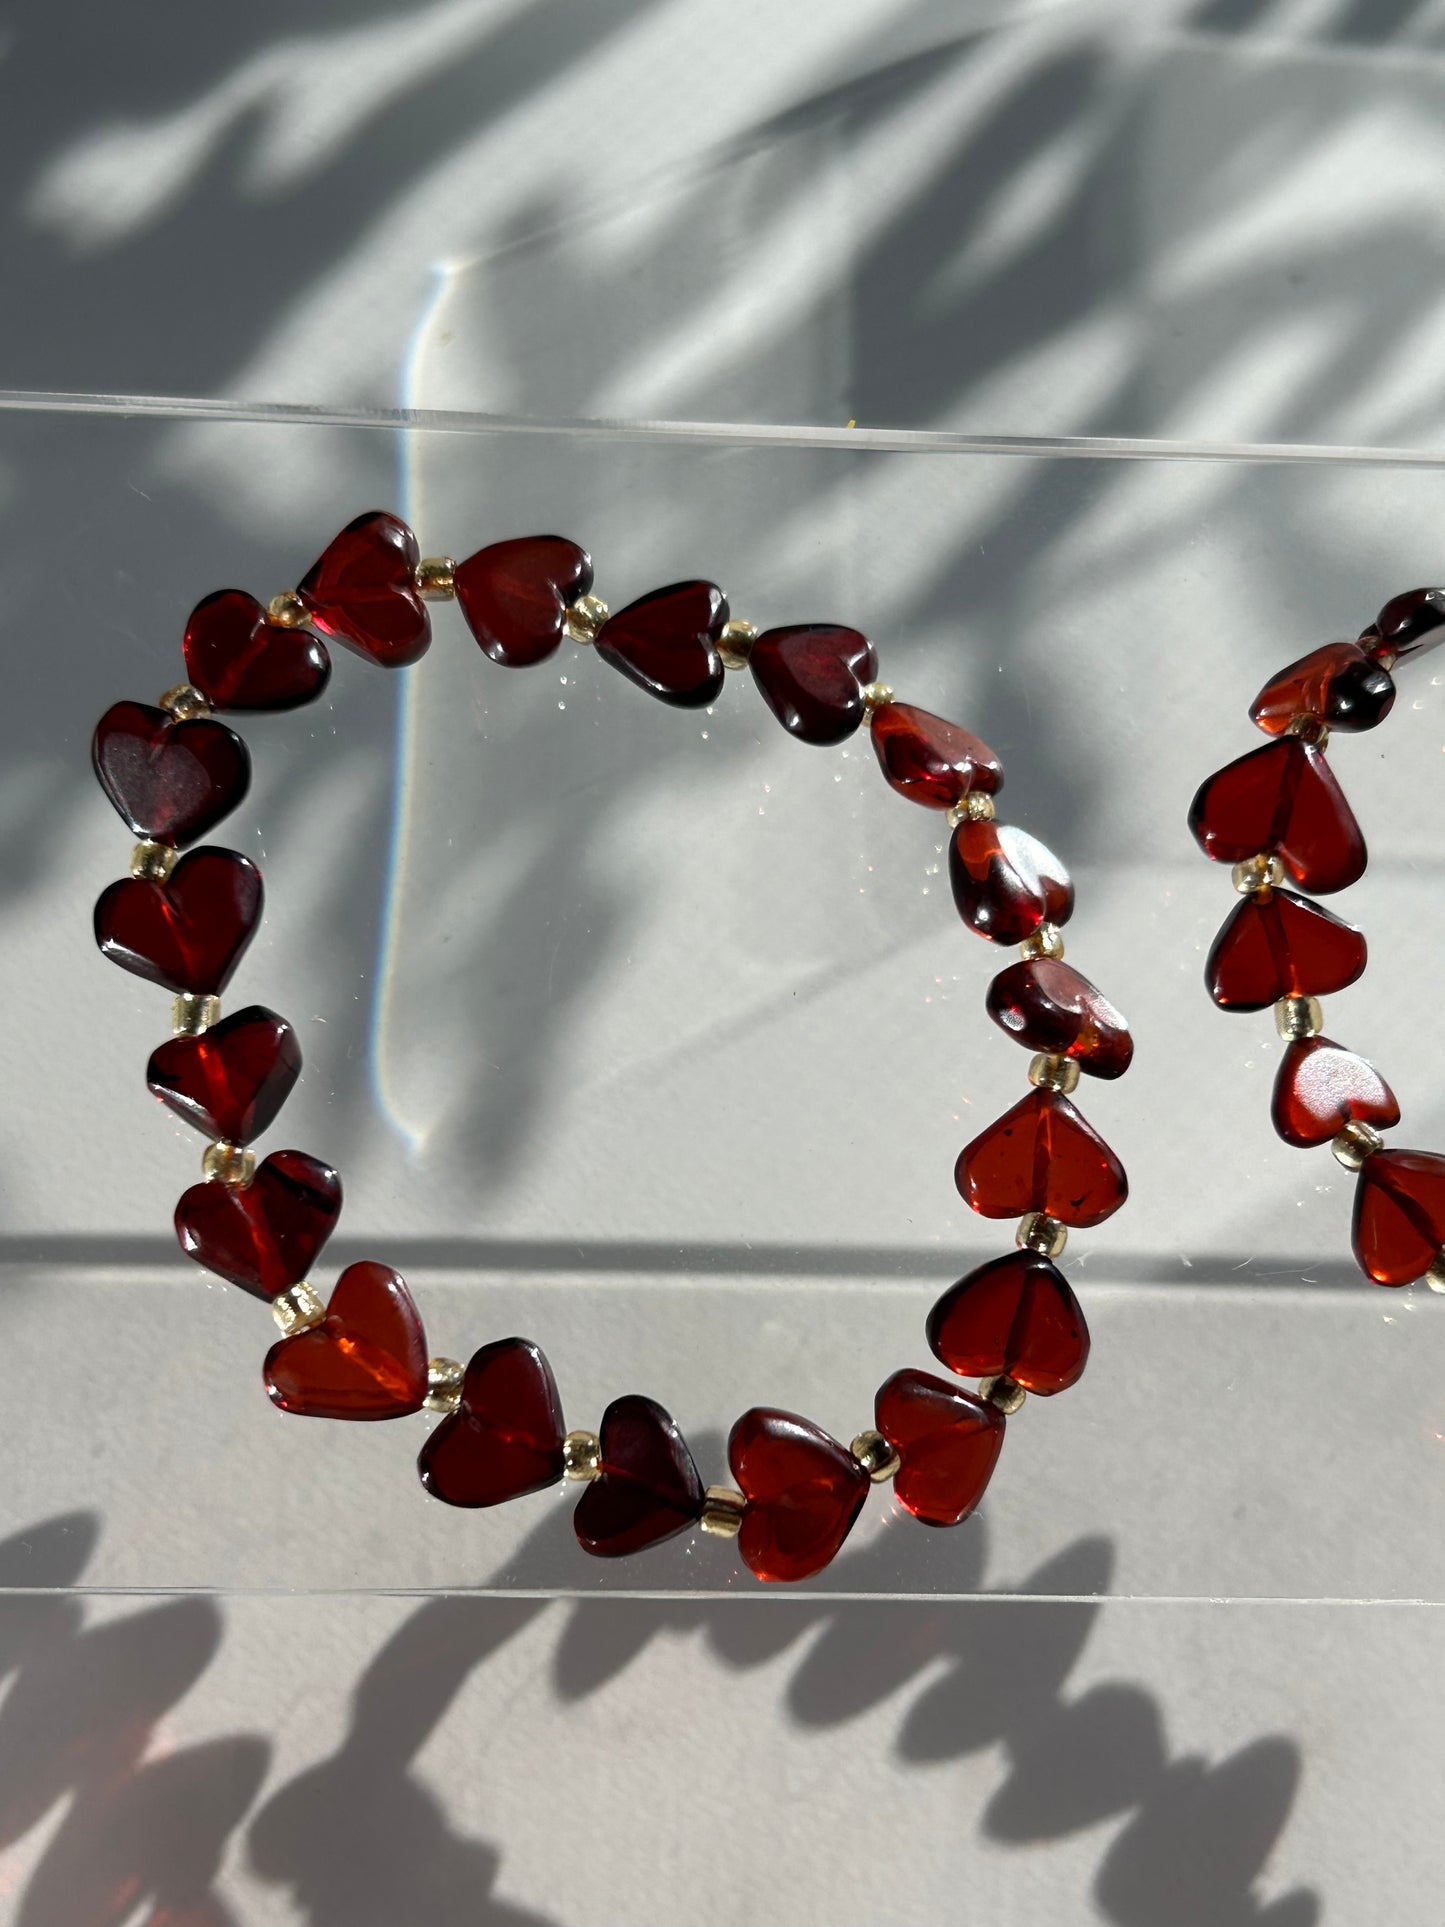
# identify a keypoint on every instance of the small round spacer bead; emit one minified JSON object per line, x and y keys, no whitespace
{"x":435,"y":577}
{"x":1046,"y":941}
{"x":153,"y":861}
{"x":1296,"y":1017}
{"x":722,"y":1511}
{"x":1002,"y":1392}
{"x":223,"y":1163}
{"x":1257,"y":875}
{"x":976,"y":807}
{"x":1435,"y":1276}
{"x":444,"y":1384}
{"x":1050,"y":1073}
{"x":297,"y":1309}
{"x":585,"y":618}
{"x":876,"y":1456}
{"x":1310,"y":729}
{"x":192,"y":1012}
{"x":876,"y":695}
{"x":1037,"y":1231}
{"x":735,"y":644}
{"x":1356,"y":1143}
{"x":287,"y":610}
{"x":184,"y":702}
{"x":581,"y":1455}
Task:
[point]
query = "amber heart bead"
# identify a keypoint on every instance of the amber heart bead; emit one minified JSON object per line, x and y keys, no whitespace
{"x":231,"y":1080}
{"x":505,"y":1438}
{"x":239,"y":659}
{"x":812,"y":677}
{"x":170,"y":781}
{"x":1282,"y":799}
{"x":1042,"y":1156}
{"x":947,"y":1443}
{"x":648,"y":1489}
{"x":1005,"y":882}
{"x":1408,"y":625}
{"x":803,"y":1492}
{"x":1047,"y":1005}
{"x":187,"y":933}
{"x":514,"y":595}
{"x":1015,"y":1315}
{"x":1319,"y":1088}
{"x":365,"y":1360}
{"x":1337,"y":684}
{"x":1280,"y":945}
{"x":1399,"y":1227}
{"x":361,"y":590}
{"x":931,"y":761}
{"x":266,"y":1235}
{"x":666,"y":643}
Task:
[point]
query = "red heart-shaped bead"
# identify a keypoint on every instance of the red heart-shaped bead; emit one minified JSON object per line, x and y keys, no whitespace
{"x":239,"y":659}
{"x":1042,"y":1156}
{"x":362,"y":591}
{"x":1005,"y":882}
{"x":1337,"y":684}
{"x":170,"y":781}
{"x":514,"y":595}
{"x":666,"y":643}
{"x":1015,"y":1315}
{"x":1280,"y":945}
{"x":1399,"y":1227}
{"x":812,"y":677}
{"x":1281,"y":800}
{"x":1048,"y":1006}
{"x":931,"y":761}
{"x":266,"y":1235}
{"x":505,"y":1438}
{"x":803,"y":1492}
{"x":947,"y":1443}
{"x":365,"y":1360}
{"x":189,"y":932}
{"x":1319,"y":1088}
{"x":648,"y":1489}
{"x":231,"y":1080}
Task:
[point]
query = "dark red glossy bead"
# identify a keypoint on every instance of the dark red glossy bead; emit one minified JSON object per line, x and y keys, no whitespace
{"x":1281,"y":800}
{"x":365,"y":1360}
{"x":505,"y":1438}
{"x":803,"y":1492}
{"x":1005,"y":882}
{"x":947,"y":1443}
{"x":1399,"y":1227}
{"x":361,"y":590}
{"x":812,"y":677}
{"x":239,"y":659}
{"x":648,"y":1489}
{"x":1408,"y":625}
{"x":1281,"y":945}
{"x":931,"y":761}
{"x":187,"y":933}
{"x":666,"y":643}
{"x":1015,"y":1315}
{"x":1048,"y":1006}
{"x":170,"y":781}
{"x":266,"y":1235}
{"x":514,"y":595}
{"x":231,"y":1080}
{"x":1042,"y":1156}
{"x":1319,"y":1088}
{"x":1337,"y":684}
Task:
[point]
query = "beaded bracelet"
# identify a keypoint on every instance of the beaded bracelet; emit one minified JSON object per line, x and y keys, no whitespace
{"x":1279,"y":810}
{"x":183,"y":921}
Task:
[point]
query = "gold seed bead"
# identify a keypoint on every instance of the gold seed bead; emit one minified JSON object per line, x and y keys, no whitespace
{"x":1046,"y":941}
{"x":1435,"y":1276}
{"x":297,"y":1310}
{"x":1356,"y":1143}
{"x":444,"y":1384}
{"x":722,"y":1511}
{"x":581,"y":1455}
{"x":1296,"y":1017}
{"x":223,"y":1163}
{"x":735,"y":644}
{"x":1039,"y":1232}
{"x":976,"y":807}
{"x":876,"y":695}
{"x":1049,"y":1073}
{"x":436,"y":578}
{"x":153,"y":861}
{"x":1257,"y":875}
{"x":1310,"y":728}
{"x":183,"y":702}
{"x":191,"y":1013}
{"x":876,"y":1456}
{"x":286,"y":610}
{"x":585,"y":618}
{"x":1003,"y":1392}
